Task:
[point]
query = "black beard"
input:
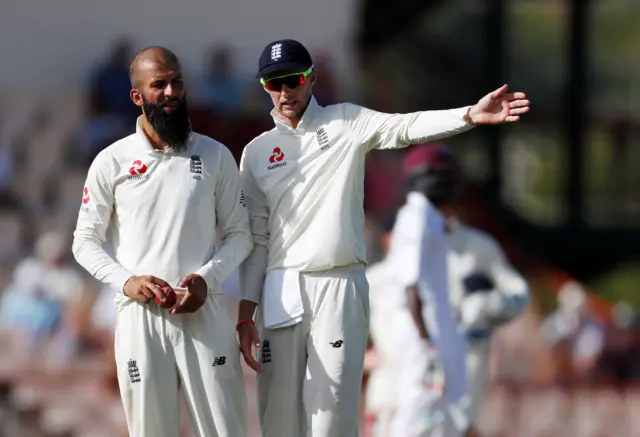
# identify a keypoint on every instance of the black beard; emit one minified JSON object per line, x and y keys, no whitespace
{"x":173,"y":127}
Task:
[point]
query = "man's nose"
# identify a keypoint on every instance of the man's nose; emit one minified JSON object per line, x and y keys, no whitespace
{"x":286,"y":89}
{"x":169,"y":91}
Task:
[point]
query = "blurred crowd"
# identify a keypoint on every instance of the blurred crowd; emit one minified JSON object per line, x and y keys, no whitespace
{"x":560,"y":372}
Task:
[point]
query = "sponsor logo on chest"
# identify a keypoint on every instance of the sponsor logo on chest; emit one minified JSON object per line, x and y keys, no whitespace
{"x":138,"y":171}
{"x":276,"y":160}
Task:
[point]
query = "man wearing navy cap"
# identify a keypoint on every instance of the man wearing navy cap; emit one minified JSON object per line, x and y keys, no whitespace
{"x":303,"y":183}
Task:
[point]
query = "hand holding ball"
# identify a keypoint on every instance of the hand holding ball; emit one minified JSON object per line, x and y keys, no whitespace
{"x":169,"y":299}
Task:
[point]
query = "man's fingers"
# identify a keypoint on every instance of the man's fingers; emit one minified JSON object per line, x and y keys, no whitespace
{"x":519,"y":103}
{"x":512,"y":119}
{"x":500,"y":91}
{"x":182,"y":306}
{"x":518,"y":111}
{"x":193,"y":305}
{"x":155,"y":291}
{"x":187,"y":280}
{"x":255,"y":338}
{"x":148,"y":291}
{"x":514,"y":96}
{"x":159,"y":282}
{"x":249,"y":359}
{"x":142,"y":298}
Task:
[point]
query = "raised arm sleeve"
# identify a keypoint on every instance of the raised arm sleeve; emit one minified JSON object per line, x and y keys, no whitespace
{"x":93,"y":223}
{"x":233,"y":222}
{"x":379,"y":130}
{"x":253,"y":269}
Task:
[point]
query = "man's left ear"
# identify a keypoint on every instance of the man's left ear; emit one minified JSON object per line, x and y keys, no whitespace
{"x":313,"y":77}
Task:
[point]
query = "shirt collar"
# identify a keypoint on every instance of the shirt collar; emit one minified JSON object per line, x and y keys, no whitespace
{"x":144,"y":140}
{"x":305,"y":121}
{"x":417,"y":198}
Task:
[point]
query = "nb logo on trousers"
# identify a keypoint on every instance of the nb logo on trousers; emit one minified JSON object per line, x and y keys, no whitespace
{"x":337,"y":344}
{"x":219,"y":361}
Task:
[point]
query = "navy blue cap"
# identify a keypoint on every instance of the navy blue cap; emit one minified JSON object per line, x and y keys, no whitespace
{"x":283,"y":56}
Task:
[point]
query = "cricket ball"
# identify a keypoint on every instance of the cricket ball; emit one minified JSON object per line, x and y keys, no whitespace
{"x":169,"y":298}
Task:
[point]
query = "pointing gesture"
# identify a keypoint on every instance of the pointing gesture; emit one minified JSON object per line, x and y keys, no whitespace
{"x":499,"y":107}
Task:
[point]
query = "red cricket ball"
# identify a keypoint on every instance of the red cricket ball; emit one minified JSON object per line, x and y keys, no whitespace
{"x":169,"y":298}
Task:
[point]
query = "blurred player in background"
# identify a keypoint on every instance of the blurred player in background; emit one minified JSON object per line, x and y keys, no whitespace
{"x":304,"y":185}
{"x":161,"y":192}
{"x":485,"y":290}
{"x":433,"y":378}
{"x":391,"y":328}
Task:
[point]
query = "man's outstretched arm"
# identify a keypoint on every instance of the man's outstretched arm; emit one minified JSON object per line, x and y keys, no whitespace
{"x":380,"y":130}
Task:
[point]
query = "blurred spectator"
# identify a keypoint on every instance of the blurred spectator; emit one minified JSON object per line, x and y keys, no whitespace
{"x":42,"y":286}
{"x":383,"y":192}
{"x":8,"y":199}
{"x":109,"y":83}
{"x":221,"y":90}
{"x":619,"y":361}
{"x":101,"y":129}
{"x":325,"y":90}
{"x":577,"y":338}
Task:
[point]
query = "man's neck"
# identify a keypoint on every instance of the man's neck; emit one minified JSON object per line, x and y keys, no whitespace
{"x":293,"y":122}
{"x":152,"y":136}
{"x":449,"y":211}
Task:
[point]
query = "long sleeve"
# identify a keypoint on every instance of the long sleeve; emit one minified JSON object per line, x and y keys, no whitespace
{"x":381,"y":130}
{"x":233,"y":222}
{"x":93,"y":223}
{"x":253,"y":269}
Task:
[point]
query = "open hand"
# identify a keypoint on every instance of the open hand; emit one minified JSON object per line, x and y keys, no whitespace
{"x":499,"y":106}
{"x":194,"y":297}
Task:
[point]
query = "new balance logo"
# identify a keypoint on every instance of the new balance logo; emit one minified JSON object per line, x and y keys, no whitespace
{"x":243,"y":199}
{"x":195,"y":166}
{"x":276,"y":52}
{"x":337,"y":344}
{"x":266,"y":352}
{"x":134,"y":373}
{"x":322,"y":138}
{"x":219,"y":361}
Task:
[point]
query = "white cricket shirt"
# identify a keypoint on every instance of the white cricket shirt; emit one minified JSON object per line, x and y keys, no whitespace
{"x":418,"y":256}
{"x":162,"y":209}
{"x":305,"y":186}
{"x":472,"y":251}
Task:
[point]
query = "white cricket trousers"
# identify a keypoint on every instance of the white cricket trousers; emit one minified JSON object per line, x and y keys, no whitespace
{"x":312,"y":371}
{"x":157,"y":352}
{"x":477,"y":375}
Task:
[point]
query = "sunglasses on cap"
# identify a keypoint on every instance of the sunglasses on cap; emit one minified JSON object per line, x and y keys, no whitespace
{"x":292,"y":80}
